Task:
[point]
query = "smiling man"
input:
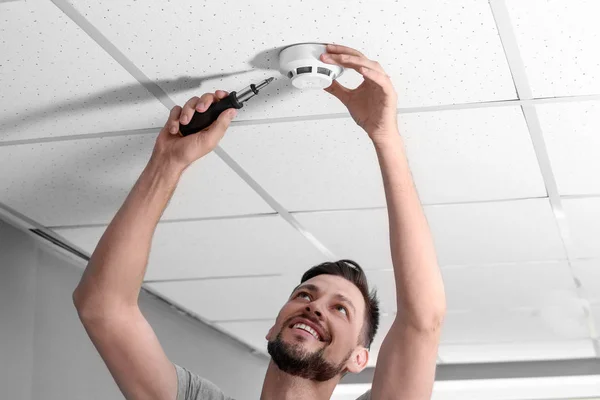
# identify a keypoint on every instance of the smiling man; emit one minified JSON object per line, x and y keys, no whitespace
{"x":325,"y":329}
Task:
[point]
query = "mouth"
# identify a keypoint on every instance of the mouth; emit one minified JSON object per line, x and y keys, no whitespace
{"x":308,"y":328}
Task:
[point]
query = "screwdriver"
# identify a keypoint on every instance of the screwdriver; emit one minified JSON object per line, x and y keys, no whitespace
{"x":201,"y":120}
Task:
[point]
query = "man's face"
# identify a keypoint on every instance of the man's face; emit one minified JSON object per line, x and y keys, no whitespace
{"x":316,"y":332}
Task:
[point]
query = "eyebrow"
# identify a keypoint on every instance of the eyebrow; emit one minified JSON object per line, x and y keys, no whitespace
{"x":314,"y":288}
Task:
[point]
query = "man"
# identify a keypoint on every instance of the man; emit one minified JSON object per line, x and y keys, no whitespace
{"x":325,"y":329}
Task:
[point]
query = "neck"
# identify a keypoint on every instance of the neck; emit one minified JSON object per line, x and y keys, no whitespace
{"x":279,"y":385}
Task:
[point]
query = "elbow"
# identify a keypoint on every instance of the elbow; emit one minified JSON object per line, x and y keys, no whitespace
{"x":83,"y":304}
{"x":78,"y":302}
{"x":425,"y":321}
{"x":432,"y":322}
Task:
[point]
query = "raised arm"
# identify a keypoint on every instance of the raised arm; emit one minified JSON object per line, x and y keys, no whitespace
{"x":106,"y":298}
{"x":407,"y":359}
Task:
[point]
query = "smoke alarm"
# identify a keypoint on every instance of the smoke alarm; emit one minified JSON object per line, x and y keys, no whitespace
{"x":301,"y":63}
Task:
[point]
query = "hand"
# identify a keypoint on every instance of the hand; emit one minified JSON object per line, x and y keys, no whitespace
{"x":180,"y":151}
{"x":372,"y":105}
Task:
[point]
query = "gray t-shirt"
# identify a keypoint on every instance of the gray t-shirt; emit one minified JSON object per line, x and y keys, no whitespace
{"x":193,"y":387}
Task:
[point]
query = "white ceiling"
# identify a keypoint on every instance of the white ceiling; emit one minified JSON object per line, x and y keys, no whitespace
{"x":77,"y":127}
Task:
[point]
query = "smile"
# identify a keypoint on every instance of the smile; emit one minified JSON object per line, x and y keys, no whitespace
{"x":307,"y":329}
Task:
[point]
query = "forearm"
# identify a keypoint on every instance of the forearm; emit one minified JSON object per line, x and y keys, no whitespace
{"x":115,"y":272}
{"x":419,"y":286}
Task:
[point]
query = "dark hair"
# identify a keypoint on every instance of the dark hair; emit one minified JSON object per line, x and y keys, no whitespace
{"x":351,"y":271}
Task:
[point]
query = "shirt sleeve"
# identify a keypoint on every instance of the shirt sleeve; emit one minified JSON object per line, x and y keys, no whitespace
{"x":193,"y":387}
{"x":365,"y":396}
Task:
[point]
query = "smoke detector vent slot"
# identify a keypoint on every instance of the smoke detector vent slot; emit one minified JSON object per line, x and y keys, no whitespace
{"x":324,"y":71}
{"x":303,"y":70}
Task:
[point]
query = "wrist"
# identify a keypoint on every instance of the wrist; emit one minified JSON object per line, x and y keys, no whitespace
{"x":164,"y":168}
{"x":383,"y":139}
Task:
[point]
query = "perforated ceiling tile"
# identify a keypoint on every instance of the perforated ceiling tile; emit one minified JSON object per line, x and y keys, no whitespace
{"x":465,"y":155}
{"x":512,"y":231}
{"x":361,"y":236}
{"x":198,"y":249}
{"x":517,"y":351}
{"x":86,"y":181}
{"x":571,"y":132}
{"x":493,"y":286}
{"x":558,"y":42}
{"x":231,"y":299}
{"x":583,"y":217}
{"x":473,"y":234}
{"x":310,"y":165}
{"x":471,"y":155}
{"x":556,"y":323}
{"x":57,"y":81}
{"x":436,"y":52}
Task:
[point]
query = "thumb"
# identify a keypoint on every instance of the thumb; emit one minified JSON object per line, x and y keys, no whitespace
{"x":217,"y":129}
{"x":338,"y":90}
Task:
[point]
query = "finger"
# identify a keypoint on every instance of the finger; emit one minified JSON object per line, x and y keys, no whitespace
{"x":351,"y":61}
{"x":205,"y":101}
{"x":217,"y":129}
{"x":173,"y":122}
{"x":380,"y":79}
{"x":221,"y":94}
{"x":188,"y":110}
{"x":339,"y":49}
{"x":338,"y":90}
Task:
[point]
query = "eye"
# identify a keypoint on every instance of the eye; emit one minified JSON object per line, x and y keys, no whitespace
{"x":303,"y":294}
{"x":342,"y":309}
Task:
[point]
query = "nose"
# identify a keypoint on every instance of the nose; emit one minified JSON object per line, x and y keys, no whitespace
{"x":317,"y":312}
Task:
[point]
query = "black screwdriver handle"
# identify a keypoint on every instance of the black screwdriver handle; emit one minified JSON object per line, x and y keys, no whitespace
{"x":201,"y":120}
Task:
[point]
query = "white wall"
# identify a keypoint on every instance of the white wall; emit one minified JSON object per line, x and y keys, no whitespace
{"x":46,"y":353}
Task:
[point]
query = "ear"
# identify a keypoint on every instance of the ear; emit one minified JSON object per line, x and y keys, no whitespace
{"x":358,"y":361}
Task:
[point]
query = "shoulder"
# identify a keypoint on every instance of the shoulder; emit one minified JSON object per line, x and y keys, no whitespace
{"x":193,"y":387}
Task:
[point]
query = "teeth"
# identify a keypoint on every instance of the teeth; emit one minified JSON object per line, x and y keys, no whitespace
{"x":307,"y":329}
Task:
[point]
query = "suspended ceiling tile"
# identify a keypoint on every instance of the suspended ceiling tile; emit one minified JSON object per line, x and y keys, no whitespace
{"x":509,"y":285}
{"x":482,"y":287}
{"x":471,"y":155}
{"x":200,"y":249}
{"x":435,"y":52}
{"x":250,"y":332}
{"x":86,"y":181}
{"x":310,"y":165}
{"x":553,"y":323}
{"x":558,"y":43}
{"x":571,"y":134}
{"x":231,"y":299}
{"x":484,"y":233}
{"x":360,"y":235}
{"x":56,"y":81}
{"x":588,"y":273}
{"x":464,"y":155}
{"x":385,"y":285}
{"x":583,"y":216}
{"x":464,"y":234}
{"x":517,"y":351}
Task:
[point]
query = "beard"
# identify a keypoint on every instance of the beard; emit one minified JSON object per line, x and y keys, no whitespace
{"x":294,"y":360}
